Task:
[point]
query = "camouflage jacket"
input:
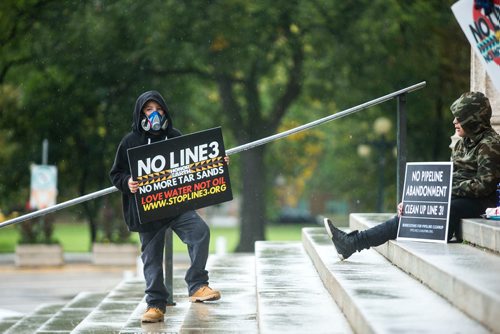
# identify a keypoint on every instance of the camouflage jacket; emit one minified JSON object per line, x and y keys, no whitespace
{"x":476,"y":157}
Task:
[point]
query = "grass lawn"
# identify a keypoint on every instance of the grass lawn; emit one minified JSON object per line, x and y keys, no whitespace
{"x":75,"y":237}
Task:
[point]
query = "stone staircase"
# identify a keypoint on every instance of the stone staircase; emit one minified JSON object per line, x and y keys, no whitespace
{"x":298,"y":287}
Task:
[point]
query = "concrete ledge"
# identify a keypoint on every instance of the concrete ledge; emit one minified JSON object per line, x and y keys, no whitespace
{"x":291,"y":296}
{"x":377,"y":297}
{"x":464,"y":275}
{"x":114,"y":254}
{"x":39,"y":255}
{"x":482,"y":232}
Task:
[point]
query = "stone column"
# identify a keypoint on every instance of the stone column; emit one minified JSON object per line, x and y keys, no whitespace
{"x":480,"y":82}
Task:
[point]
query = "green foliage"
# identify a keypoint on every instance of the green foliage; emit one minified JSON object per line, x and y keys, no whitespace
{"x":111,"y":227}
{"x":70,"y":72}
{"x":38,"y":232}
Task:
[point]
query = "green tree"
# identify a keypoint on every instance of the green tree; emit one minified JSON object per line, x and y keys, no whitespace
{"x":255,"y":57}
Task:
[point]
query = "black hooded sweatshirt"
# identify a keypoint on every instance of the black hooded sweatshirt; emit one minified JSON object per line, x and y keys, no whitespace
{"x":120,"y":172}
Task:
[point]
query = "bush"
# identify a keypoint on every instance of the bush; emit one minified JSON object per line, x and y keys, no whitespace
{"x":111,"y":227}
{"x":38,"y":231}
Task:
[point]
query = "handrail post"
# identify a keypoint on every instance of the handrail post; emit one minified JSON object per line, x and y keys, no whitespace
{"x":169,"y":267}
{"x":401,"y":145}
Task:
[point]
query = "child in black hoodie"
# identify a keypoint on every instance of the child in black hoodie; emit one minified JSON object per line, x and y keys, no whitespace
{"x":152,"y":123}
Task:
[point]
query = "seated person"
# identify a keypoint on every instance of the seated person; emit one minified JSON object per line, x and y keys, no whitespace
{"x":476,"y":173}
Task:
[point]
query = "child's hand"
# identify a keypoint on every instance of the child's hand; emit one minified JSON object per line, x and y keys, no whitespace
{"x":133,"y":185}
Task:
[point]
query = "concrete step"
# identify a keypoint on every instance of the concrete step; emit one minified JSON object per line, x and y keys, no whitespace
{"x":30,"y":323}
{"x":482,"y":232}
{"x":9,"y":321}
{"x":291,"y":296}
{"x":233,"y":275}
{"x":174,"y":316}
{"x":466,"y":276}
{"x":66,"y":319}
{"x":113,"y":312}
{"x":236,"y":311}
{"x":377,"y":297}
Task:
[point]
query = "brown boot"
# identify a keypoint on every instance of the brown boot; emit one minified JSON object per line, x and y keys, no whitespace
{"x":204,"y":294}
{"x":153,"y":314}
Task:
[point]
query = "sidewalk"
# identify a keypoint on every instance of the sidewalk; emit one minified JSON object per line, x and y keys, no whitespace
{"x":24,"y":289}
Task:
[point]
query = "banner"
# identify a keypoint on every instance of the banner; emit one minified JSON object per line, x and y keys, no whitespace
{"x":180,"y":174}
{"x":426,"y":201}
{"x":483,"y":33}
{"x":43,"y":186}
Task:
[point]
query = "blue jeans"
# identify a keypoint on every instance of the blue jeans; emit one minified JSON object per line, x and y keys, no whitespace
{"x":195,"y":233}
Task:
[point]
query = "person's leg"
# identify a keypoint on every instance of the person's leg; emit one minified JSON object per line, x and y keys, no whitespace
{"x":152,"y":247}
{"x":347,"y":243}
{"x":195,"y":233}
{"x":461,"y":207}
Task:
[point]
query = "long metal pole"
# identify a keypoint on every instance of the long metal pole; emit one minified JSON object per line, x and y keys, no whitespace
{"x":168,"y":260}
{"x":230,"y":151}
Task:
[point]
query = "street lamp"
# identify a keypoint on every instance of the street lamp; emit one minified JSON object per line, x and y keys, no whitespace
{"x":381,"y":127}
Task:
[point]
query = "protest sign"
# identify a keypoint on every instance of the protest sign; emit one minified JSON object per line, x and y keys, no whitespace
{"x":483,"y":32}
{"x":180,"y":174}
{"x":426,"y":199}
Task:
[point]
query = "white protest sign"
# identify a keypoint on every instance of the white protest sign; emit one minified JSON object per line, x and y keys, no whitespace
{"x":483,"y":33}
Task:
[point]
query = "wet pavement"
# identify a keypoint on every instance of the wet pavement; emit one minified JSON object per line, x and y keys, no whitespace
{"x":23,"y":290}
{"x":291,"y":294}
{"x":235,"y":312}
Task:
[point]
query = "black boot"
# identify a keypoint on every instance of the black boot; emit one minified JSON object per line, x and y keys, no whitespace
{"x":347,"y":243}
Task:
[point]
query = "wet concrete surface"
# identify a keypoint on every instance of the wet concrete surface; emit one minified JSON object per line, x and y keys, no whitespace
{"x":282,"y":288}
{"x":23,"y":290}
{"x":466,"y":276}
{"x":291,"y":296}
{"x":377,"y":296}
{"x":236,"y":311}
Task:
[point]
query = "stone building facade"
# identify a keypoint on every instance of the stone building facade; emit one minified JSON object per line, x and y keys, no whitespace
{"x":480,"y":82}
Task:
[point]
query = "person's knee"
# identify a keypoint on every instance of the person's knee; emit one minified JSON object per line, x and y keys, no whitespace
{"x":203,"y":230}
{"x":199,"y":232}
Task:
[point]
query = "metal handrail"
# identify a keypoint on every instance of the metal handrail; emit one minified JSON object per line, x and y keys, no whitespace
{"x":230,"y":151}
{"x":340,"y":114}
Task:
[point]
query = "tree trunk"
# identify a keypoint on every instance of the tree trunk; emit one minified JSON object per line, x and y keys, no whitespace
{"x":253,"y":206}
